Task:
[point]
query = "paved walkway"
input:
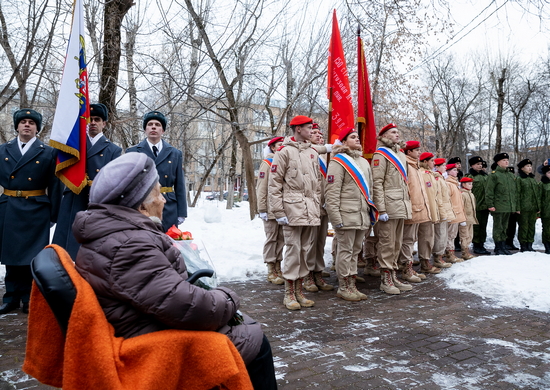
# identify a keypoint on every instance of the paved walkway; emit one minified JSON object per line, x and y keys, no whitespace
{"x":430,"y":338}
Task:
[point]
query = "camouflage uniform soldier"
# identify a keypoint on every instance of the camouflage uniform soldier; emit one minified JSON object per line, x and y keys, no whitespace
{"x":479,"y":176}
{"x":528,"y":198}
{"x":545,"y":207}
{"x":501,"y":200}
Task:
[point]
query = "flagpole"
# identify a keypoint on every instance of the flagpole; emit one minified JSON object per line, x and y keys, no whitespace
{"x":360,"y":128}
{"x":329,"y":127}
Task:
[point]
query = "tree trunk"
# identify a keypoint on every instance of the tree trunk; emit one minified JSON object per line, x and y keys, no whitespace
{"x":232,"y":174}
{"x":207,"y":173}
{"x":500,"y":110}
{"x":237,"y":131}
{"x":113,"y":13}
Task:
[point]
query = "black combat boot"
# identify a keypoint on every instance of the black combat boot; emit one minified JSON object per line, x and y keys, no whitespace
{"x":523,"y":247}
{"x":505,"y":249}
{"x":547,"y":248}
{"x":530,"y":247}
{"x":509,"y":245}
{"x":498,"y":248}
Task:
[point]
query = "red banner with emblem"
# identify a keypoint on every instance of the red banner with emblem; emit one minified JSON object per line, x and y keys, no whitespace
{"x":339,"y":91}
{"x":365,"y":113}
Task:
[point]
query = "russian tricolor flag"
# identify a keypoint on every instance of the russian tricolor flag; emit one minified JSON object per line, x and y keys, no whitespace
{"x":72,"y":113}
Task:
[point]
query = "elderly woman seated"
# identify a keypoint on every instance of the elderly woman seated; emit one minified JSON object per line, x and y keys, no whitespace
{"x":139,"y":277}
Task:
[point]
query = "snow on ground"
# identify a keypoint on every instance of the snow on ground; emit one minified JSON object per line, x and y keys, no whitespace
{"x":519,"y":281}
{"x":233,"y":241}
{"x":234,"y":244}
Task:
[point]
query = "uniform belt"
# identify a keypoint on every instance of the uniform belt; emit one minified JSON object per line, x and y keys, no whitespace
{"x":164,"y":190}
{"x":24,"y":194}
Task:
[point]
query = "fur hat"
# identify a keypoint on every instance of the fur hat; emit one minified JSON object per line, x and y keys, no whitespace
{"x":27,"y":113}
{"x":474,"y":160}
{"x":99,"y":110}
{"x":125,"y":181}
{"x":524,"y":162}
{"x":545,"y":169}
{"x":154,"y":115}
{"x":500,"y":156}
{"x":454,"y":160}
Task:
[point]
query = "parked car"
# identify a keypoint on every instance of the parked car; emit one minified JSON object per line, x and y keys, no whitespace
{"x":213,"y":196}
{"x":235,"y":195}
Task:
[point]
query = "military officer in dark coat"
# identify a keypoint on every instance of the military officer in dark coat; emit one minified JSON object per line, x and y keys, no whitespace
{"x":28,"y":206}
{"x":169,"y":161}
{"x":99,"y":152}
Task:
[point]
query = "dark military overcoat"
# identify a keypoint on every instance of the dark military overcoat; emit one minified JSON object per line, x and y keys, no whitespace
{"x":25,"y":222}
{"x":169,"y":164}
{"x":98,"y":155}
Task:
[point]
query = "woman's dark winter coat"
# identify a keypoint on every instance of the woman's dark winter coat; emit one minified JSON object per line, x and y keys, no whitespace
{"x":139,"y":279}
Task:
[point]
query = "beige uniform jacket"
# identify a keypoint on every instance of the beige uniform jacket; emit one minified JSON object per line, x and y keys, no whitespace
{"x":322,"y":150}
{"x":469,"y":202}
{"x":434,"y":199}
{"x":418,"y":194}
{"x":443,"y":191}
{"x":390,"y":191}
{"x":261,"y":188}
{"x":293,"y":189}
{"x":344,"y":201}
{"x":456,"y":200}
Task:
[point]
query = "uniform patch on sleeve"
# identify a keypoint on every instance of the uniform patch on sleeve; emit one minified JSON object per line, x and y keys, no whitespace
{"x":429,"y":183}
{"x":330,"y":178}
{"x":312,"y":156}
{"x":274,"y":168}
{"x":376,"y":162}
{"x":262,"y":175}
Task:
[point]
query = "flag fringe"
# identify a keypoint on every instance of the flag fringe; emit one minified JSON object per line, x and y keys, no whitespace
{"x":70,"y":185}
{"x":65,"y":149}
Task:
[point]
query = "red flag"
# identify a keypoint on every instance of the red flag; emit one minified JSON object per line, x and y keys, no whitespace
{"x":365,"y":113}
{"x":339,"y":91}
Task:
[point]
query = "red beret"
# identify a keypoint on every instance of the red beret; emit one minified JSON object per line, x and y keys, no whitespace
{"x":466,"y":180}
{"x":439,"y":161}
{"x":386,"y":128}
{"x":426,"y":156}
{"x":275,"y":140}
{"x":450,"y":166}
{"x":316,"y":125}
{"x":345,"y":132}
{"x":412,"y":145}
{"x":300,"y":120}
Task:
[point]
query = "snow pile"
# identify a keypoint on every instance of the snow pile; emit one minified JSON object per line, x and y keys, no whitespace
{"x":518,"y":281}
{"x":233,"y":242}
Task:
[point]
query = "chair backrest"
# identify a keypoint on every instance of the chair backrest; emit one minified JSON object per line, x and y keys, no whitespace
{"x":55,"y":284}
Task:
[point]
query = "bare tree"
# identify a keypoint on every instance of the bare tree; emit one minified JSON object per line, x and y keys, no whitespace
{"x":113,"y":14}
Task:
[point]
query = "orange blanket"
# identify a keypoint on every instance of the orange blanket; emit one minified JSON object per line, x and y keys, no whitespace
{"x":91,"y":357}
